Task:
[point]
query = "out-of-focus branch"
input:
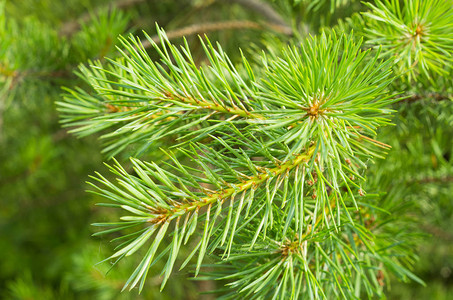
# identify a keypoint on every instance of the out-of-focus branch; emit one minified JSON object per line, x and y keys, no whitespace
{"x":70,"y":27}
{"x":437,"y":232}
{"x":444,"y":179}
{"x":429,"y":96}
{"x":266,"y":10}
{"x":216,"y":26}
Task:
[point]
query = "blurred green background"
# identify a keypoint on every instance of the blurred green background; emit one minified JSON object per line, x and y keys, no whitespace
{"x":45,"y":238}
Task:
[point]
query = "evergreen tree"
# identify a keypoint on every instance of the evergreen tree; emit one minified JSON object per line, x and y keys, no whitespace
{"x":306,"y":165}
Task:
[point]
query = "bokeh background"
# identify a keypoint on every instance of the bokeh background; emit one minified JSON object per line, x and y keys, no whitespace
{"x":46,"y":247}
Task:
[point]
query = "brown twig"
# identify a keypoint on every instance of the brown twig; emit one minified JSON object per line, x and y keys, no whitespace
{"x":215,"y":26}
{"x":437,"y":232}
{"x":445,"y":179}
{"x":433,"y":96}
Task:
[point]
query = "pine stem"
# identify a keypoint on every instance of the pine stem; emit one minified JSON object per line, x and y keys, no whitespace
{"x":214,"y":106}
{"x":251,"y":183}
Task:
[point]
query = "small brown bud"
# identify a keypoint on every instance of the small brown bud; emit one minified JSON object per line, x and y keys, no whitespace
{"x":361,"y":192}
{"x":380,"y":278}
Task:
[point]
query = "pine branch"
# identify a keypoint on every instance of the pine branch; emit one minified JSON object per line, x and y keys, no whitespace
{"x":169,"y":202}
{"x":321,"y":265}
{"x":181,"y":95}
{"x":308,"y":120}
{"x":253,"y":182}
{"x":416,"y":33}
{"x":265,"y":159}
{"x":186,"y":91}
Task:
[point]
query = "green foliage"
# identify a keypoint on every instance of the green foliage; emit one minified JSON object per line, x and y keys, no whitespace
{"x":419,"y":32}
{"x":268,"y":174}
{"x":309,"y":111}
{"x":318,"y":5}
{"x":94,"y":37}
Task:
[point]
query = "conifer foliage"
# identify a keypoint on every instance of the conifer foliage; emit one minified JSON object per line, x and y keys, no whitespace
{"x":268,"y":160}
{"x":309,"y":119}
{"x":266,"y":170}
